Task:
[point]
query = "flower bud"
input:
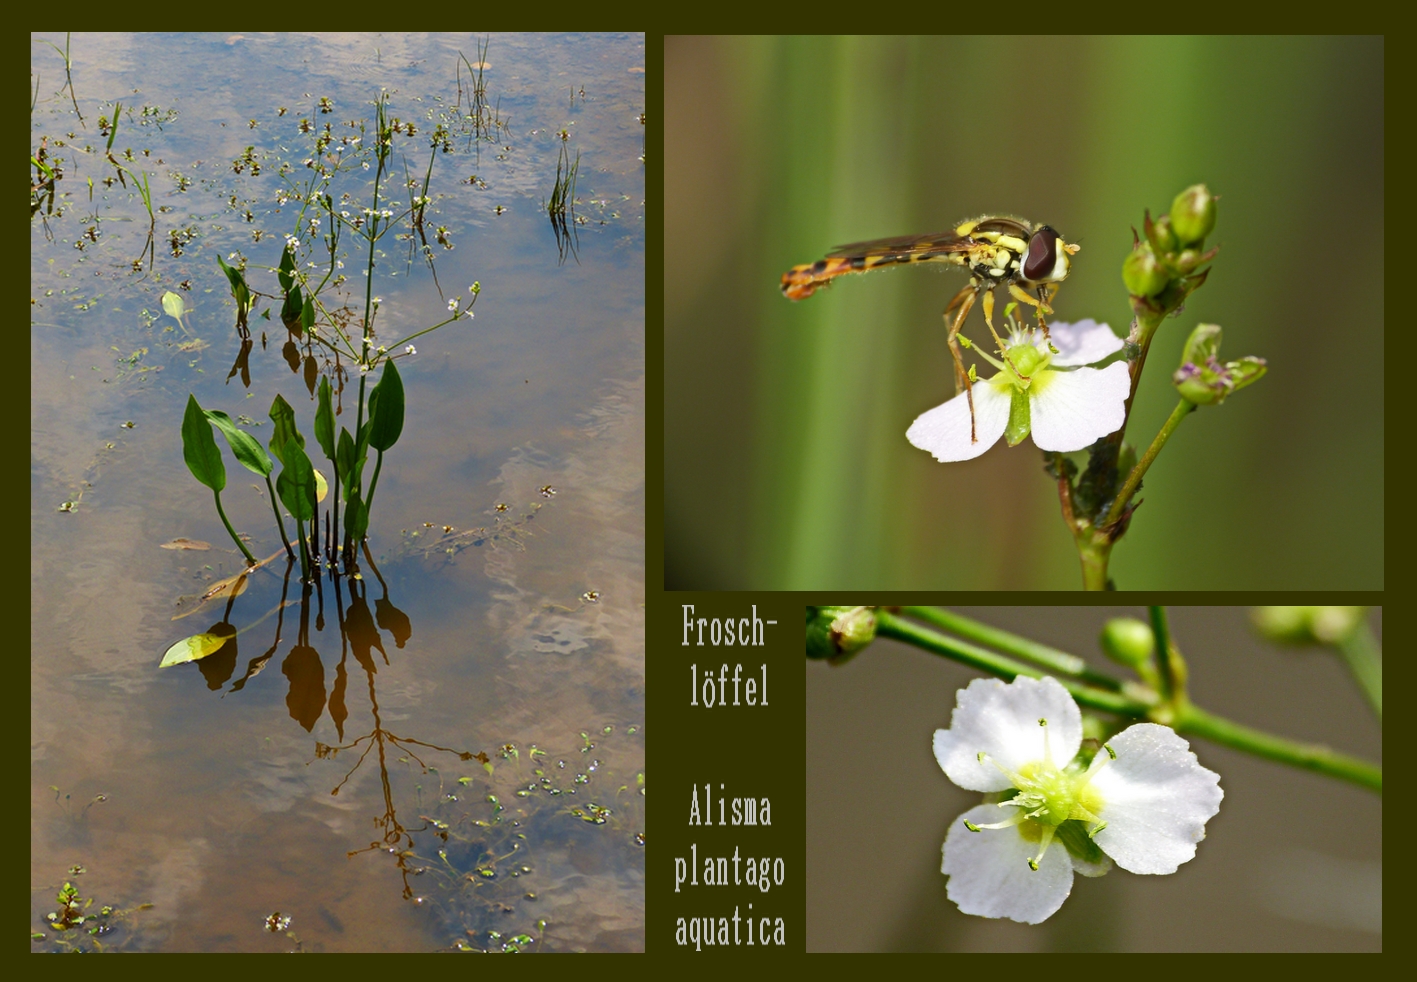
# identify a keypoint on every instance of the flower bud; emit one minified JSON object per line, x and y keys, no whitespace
{"x":839,"y":632}
{"x":1202,"y":379}
{"x":1143,"y":273}
{"x":1193,"y":214}
{"x":1127,"y":641}
{"x":1159,"y":234}
{"x":1307,"y":625}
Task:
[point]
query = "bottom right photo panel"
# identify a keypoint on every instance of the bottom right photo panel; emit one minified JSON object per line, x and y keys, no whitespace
{"x":1094,"y":778}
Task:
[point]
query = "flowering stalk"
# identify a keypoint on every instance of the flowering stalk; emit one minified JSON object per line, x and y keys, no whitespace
{"x":1130,"y":700}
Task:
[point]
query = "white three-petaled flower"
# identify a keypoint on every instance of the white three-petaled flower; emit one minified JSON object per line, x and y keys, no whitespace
{"x":1143,"y":801}
{"x":1039,"y":387}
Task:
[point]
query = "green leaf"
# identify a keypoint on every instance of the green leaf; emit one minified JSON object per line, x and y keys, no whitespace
{"x":307,"y":315}
{"x":386,"y":409}
{"x":284,"y":417}
{"x":322,"y":486}
{"x":239,"y":292}
{"x":290,"y":310}
{"x":287,"y":269}
{"x":349,"y":463}
{"x":325,"y":420}
{"x":198,"y":646}
{"x":174,"y":306}
{"x":356,"y":516}
{"x":199,"y":448}
{"x":296,"y":484}
{"x":248,"y":451}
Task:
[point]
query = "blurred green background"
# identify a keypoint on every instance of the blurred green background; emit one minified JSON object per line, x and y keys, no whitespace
{"x":786,"y":464}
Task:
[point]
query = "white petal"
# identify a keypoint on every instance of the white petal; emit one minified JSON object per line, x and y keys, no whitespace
{"x":944,"y":430}
{"x":1072,"y":410}
{"x":1002,"y":721}
{"x":1082,"y":343}
{"x":989,"y":872}
{"x":1156,"y":800}
{"x":1086,"y":868}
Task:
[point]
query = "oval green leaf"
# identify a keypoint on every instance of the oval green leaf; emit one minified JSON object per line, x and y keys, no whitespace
{"x":248,"y":451}
{"x":325,"y":420}
{"x":296,"y":484}
{"x":386,"y":419}
{"x":199,"y":447}
{"x":284,"y":417}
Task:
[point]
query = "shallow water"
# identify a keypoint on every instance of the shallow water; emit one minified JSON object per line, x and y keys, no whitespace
{"x":516,"y":636}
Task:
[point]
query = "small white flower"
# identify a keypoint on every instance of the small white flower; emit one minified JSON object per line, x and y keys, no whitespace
{"x":1066,"y":406}
{"x":1143,"y":801}
{"x":383,"y":350}
{"x":410,"y":350}
{"x":453,"y":304}
{"x":366,"y":165}
{"x":468,"y":314}
{"x":339,"y":264}
{"x":378,"y":300}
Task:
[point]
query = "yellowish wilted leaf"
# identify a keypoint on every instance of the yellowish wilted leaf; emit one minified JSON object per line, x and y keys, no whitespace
{"x":195,"y":647}
{"x":181,"y":543}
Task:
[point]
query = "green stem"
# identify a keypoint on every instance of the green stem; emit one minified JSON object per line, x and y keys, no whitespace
{"x":1031,"y":651}
{"x":279,"y":521}
{"x":1189,"y":719}
{"x":373,"y":483}
{"x":890,"y":626}
{"x":1365,"y":660}
{"x":250,"y":559}
{"x":1182,"y":410}
{"x":1310,"y":756}
{"x":1165,"y":669}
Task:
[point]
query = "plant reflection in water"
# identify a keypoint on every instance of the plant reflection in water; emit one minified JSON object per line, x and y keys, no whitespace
{"x":527,"y":852}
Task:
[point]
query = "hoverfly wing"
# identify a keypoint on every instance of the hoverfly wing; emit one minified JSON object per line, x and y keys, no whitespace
{"x":802,"y":281}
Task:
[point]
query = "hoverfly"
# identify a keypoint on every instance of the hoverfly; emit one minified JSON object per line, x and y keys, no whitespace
{"x":1008,"y":251}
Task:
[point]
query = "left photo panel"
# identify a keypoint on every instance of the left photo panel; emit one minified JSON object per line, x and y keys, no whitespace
{"x":337,"y":478}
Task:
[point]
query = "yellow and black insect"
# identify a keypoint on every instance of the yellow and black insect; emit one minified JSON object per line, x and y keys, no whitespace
{"x":1008,"y":251}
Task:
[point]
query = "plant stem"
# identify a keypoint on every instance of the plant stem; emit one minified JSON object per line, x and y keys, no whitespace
{"x":891,"y":626}
{"x":279,"y":521}
{"x":1039,"y":654}
{"x":1365,"y":660}
{"x":250,"y":559}
{"x":1165,"y":674}
{"x":1183,"y":409}
{"x":1189,"y":719}
{"x":1311,"y":756}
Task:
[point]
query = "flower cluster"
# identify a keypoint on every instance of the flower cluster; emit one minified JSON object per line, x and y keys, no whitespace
{"x":1142,"y":802}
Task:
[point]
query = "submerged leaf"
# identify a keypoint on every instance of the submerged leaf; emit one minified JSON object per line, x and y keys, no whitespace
{"x":198,"y":646}
{"x":174,"y":306}
{"x":181,"y":543}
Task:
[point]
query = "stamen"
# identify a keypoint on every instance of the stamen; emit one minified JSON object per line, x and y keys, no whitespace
{"x":1098,"y":828}
{"x":1047,"y":750}
{"x":1007,"y":823}
{"x":1048,"y":831}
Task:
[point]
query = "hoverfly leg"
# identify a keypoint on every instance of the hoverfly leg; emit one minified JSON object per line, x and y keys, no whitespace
{"x":963,"y":301}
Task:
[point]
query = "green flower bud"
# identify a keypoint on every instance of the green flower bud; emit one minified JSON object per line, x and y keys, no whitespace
{"x":1307,"y":625}
{"x":1143,"y":273}
{"x":839,"y":632}
{"x":1159,"y":234}
{"x":1193,"y":214}
{"x":1127,"y":641}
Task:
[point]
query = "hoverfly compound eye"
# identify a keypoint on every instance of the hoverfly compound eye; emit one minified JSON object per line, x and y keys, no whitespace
{"x":1045,"y":261}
